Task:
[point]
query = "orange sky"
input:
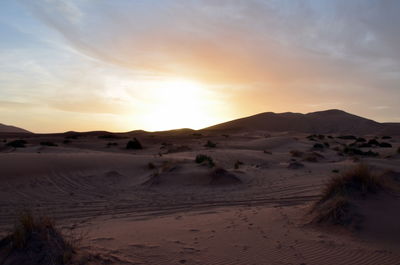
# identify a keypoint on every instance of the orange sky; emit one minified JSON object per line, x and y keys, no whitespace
{"x":156,"y":65}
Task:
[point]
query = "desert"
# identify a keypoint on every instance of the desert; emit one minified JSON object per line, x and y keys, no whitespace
{"x":237,"y":195}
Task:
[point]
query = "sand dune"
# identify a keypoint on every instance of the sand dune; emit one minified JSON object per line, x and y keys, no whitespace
{"x":330,"y":121}
{"x":156,"y":205}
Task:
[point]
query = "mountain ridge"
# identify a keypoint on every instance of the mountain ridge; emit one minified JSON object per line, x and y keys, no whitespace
{"x":326,"y":121}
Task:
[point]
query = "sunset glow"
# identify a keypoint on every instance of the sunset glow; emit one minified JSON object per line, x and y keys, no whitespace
{"x":157,"y":65}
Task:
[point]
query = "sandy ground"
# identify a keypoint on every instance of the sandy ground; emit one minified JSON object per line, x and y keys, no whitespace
{"x":172,"y":211}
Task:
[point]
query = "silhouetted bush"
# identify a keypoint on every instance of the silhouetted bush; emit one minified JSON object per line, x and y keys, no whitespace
{"x":385,"y":145}
{"x":210,"y":144}
{"x":17,"y":143}
{"x":204,"y":158}
{"x":134,"y":144}
{"x":373,"y":142}
{"x":34,"y":241}
{"x":356,"y":151}
{"x":318,"y":146}
{"x":347,"y":137}
{"x":361,"y":140}
{"x":47,"y":143}
{"x":66,"y":141}
{"x":386,"y":137}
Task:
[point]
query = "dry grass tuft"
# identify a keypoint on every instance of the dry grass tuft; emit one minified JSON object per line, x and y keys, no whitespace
{"x":359,"y":179}
{"x":35,"y":240}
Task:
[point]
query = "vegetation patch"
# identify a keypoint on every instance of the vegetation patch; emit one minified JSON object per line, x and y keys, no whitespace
{"x":201,"y":159}
{"x":48,"y":143}
{"x":347,"y":137}
{"x":17,"y":143}
{"x":134,"y":144}
{"x":335,"y":205}
{"x":36,"y":241}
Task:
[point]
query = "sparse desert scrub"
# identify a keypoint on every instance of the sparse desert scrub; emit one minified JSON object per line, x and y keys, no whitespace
{"x":347,"y":137}
{"x":48,"y":143}
{"x":335,"y":204}
{"x":356,"y":151}
{"x":210,"y":144}
{"x":36,"y":240}
{"x":200,"y":159}
{"x":17,"y":143}
{"x":150,"y":165}
{"x":385,"y":145}
{"x":359,"y":179}
{"x":318,"y":146}
{"x":398,"y":150}
{"x":134,"y":144}
{"x":110,"y":144}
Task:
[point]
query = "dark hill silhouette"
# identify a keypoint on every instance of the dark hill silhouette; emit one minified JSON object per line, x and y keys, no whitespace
{"x":329,"y":121}
{"x":11,"y":129}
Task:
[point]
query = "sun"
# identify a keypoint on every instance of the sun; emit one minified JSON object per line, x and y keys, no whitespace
{"x":179,"y":104}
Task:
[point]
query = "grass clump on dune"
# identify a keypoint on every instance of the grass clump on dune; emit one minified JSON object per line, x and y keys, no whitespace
{"x":17,"y":143}
{"x":335,"y":204}
{"x":35,"y":240}
{"x":200,"y":159}
{"x":134,"y":144}
{"x":359,"y":179}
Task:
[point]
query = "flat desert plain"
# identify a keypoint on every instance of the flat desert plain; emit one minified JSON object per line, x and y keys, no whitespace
{"x":248,"y":199}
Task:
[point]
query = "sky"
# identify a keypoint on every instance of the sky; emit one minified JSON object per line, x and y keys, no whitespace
{"x":162,"y":64}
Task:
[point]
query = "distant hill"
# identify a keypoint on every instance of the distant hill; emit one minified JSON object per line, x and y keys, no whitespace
{"x":11,"y":129}
{"x":329,"y":121}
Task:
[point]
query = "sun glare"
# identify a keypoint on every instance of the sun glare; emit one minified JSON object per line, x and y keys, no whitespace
{"x":178,"y":104}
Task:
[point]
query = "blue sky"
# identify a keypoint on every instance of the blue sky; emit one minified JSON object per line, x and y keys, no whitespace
{"x":124,"y":65}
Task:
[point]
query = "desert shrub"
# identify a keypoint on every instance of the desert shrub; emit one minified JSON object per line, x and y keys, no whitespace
{"x":330,"y":136}
{"x":197,"y":135}
{"x":318,"y":146}
{"x":17,"y":143}
{"x":347,"y":137}
{"x":335,"y":204}
{"x":295,"y":165}
{"x":373,"y":142}
{"x":226,"y":135}
{"x":66,"y":141}
{"x":36,"y":240}
{"x":238,"y":164}
{"x":321,"y":136}
{"x":134,"y":144}
{"x":386,"y":137}
{"x":200,"y":159}
{"x":361,"y":140}
{"x":267,"y":152}
{"x":210,"y":144}
{"x":110,"y":144}
{"x":385,"y":145}
{"x":327,"y":145}
{"x":356,"y":151}
{"x":335,"y":211}
{"x":359,"y":179}
{"x":296,"y":153}
{"x":48,"y":143}
{"x":335,"y":170}
{"x":398,"y":150}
